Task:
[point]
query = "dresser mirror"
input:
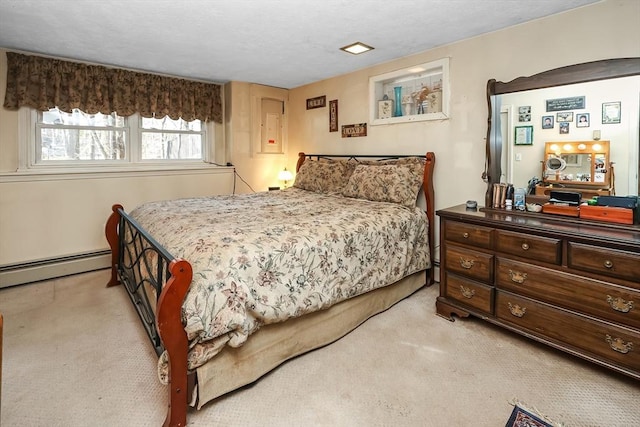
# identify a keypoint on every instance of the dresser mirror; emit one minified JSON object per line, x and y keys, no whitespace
{"x":577,"y":163}
{"x":588,"y":87}
{"x":580,"y":166}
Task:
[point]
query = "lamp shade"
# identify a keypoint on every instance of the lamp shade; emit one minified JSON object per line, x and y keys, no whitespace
{"x":285,"y":175}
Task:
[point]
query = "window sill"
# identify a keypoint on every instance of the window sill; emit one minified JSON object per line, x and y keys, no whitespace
{"x":57,"y":174}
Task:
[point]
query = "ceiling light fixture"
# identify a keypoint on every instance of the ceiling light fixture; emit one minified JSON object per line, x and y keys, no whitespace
{"x":356,"y":48}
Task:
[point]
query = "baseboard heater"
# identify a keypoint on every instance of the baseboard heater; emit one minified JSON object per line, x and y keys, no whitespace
{"x":35,"y":271}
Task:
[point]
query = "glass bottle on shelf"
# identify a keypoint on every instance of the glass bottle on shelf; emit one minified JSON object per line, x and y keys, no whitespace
{"x":397,"y":91}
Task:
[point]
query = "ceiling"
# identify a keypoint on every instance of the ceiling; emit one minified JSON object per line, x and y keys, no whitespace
{"x":282,"y":43}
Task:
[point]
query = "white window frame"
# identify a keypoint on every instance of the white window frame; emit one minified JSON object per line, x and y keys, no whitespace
{"x":28,"y":161}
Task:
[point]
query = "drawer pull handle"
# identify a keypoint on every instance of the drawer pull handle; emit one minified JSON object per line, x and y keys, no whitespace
{"x":619,"y":304}
{"x":467,"y":292}
{"x":516,"y":310}
{"x":466,"y":263}
{"x":517,"y":277}
{"x":608,"y":263}
{"x":465,"y":235}
{"x":525,"y":246}
{"x":618,"y":344}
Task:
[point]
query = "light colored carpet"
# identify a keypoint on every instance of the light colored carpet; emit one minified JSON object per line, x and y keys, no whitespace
{"x":76,"y":355}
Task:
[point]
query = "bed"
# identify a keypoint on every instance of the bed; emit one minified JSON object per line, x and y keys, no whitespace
{"x":230,"y":287}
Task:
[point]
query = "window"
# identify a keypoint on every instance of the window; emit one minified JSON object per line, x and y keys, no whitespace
{"x":78,"y":136}
{"x":79,"y":139}
{"x":167,"y":139}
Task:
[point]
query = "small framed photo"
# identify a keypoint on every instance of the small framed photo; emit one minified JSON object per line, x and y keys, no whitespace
{"x":523,"y":135}
{"x":565,"y":116}
{"x":582,"y":120}
{"x":611,"y":112}
{"x":385,"y":109}
{"x":547,"y":122}
{"x":524,"y":114}
{"x":564,"y":127}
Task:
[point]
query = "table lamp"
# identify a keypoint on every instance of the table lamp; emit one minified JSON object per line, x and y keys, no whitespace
{"x":286,"y":176}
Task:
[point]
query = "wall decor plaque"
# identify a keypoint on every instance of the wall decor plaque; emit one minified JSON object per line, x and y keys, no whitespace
{"x":333,"y":115}
{"x":355,"y":130}
{"x":317,"y":102}
{"x":561,"y":104}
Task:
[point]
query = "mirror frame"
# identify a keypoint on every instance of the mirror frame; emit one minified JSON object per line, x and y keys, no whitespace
{"x":571,"y":74}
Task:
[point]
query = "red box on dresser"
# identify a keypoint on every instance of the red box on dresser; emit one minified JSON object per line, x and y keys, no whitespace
{"x":607,"y":213}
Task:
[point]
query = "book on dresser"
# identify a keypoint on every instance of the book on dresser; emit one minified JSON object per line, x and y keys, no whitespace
{"x":571,"y":283}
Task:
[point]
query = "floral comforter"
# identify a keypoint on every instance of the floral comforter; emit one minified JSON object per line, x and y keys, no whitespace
{"x":266,"y":257}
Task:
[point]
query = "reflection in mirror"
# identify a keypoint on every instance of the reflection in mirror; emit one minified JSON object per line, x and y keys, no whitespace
{"x":555,"y":165}
{"x":600,"y":83}
{"x":580,"y":166}
{"x":624,"y":143}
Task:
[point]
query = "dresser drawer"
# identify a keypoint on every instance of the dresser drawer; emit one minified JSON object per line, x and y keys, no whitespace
{"x":468,"y":234}
{"x":470,"y":293}
{"x":593,"y":297}
{"x":613,"y":343}
{"x":528,"y":246}
{"x":608,"y":262}
{"x":469,"y":263}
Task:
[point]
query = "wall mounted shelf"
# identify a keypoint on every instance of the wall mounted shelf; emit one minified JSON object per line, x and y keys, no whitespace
{"x":423,"y":94}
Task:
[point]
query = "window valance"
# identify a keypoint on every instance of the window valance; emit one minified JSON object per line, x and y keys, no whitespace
{"x":44,"y":83}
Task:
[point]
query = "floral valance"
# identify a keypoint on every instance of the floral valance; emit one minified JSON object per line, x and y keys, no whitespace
{"x":44,"y":83}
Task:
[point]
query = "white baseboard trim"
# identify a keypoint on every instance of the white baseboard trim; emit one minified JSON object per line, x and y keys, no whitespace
{"x":35,"y":271}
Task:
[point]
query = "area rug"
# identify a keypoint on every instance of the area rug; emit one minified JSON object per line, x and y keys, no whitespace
{"x":525,"y":416}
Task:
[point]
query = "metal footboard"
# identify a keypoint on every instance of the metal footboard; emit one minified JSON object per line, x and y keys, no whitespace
{"x":143,"y":268}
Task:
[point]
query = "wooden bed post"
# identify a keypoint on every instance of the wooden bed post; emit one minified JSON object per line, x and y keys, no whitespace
{"x":427,"y":187}
{"x":301,"y":159}
{"x":174,"y":339}
{"x":111,"y":232}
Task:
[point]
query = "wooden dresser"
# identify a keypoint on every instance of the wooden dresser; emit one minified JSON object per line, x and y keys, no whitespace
{"x":569,"y":283}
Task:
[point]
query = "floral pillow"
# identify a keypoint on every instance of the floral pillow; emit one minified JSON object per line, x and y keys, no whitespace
{"x":384,"y":183}
{"x":415,"y":163}
{"x":323,"y":177}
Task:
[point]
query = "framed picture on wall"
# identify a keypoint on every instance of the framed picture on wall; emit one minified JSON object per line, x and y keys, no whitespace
{"x":566,"y":116}
{"x":333,"y":115}
{"x":523,"y":135}
{"x":547,"y":122}
{"x":582,"y":120}
{"x":610,"y":112}
{"x":524,"y":114}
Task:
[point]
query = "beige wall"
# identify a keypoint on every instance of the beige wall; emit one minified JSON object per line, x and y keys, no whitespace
{"x":260,"y":171}
{"x":45,"y":219}
{"x":607,"y":29}
{"x":59,"y":216}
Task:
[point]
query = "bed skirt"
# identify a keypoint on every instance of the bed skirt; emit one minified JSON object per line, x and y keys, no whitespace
{"x":274,"y":344}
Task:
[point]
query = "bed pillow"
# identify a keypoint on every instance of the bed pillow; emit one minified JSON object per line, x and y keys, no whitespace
{"x":415,"y":163}
{"x":323,"y":176}
{"x":392,"y":183}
